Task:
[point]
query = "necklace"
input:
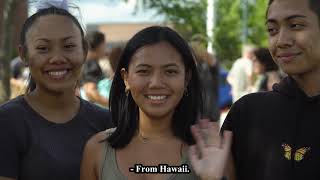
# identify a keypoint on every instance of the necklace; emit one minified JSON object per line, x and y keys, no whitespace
{"x":145,"y":140}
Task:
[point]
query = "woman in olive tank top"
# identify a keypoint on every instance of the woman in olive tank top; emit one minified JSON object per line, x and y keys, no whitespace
{"x":155,"y":102}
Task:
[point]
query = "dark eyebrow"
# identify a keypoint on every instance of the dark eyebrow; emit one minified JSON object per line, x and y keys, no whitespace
{"x":143,"y":65}
{"x":66,"y":38}
{"x":43,"y":39}
{"x":47,"y":40}
{"x":286,"y":19}
{"x":171,"y":64}
{"x":166,"y":65}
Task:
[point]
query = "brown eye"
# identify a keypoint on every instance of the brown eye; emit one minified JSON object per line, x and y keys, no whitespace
{"x":272,"y":31}
{"x":142,"y":72}
{"x":70,"y":46}
{"x":296,"y":26}
{"x":172,"y":72}
{"x":42,"y":49}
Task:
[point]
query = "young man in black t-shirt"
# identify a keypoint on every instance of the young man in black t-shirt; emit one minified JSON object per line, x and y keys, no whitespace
{"x":276,"y":135}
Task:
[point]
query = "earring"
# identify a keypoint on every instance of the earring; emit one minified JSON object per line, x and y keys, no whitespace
{"x":127,"y":91}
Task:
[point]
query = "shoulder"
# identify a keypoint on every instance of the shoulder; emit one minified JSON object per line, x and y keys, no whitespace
{"x":93,"y":156}
{"x":102,"y":136}
{"x":260,"y":98}
{"x":97,"y":143}
{"x":14,"y":127}
{"x":97,"y":140}
{"x":252,"y":107}
{"x":12,"y":105}
{"x":99,"y":116}
{"x":94,"y":109}
{"x":13,"y":110}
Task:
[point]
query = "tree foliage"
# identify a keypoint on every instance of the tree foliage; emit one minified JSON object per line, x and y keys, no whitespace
{"x":188,"y":17}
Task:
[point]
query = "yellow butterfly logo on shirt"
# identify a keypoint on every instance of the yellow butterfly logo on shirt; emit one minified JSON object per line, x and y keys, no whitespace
{"x":298,"y":155}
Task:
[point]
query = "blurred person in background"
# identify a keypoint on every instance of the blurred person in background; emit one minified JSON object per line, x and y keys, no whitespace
{"x":240,"y":75}
{"x":92,"y":72}
{"x":208,"y":69}
{"x":19,"y":77}
{"x":266,"y":70}
{"x":104,"y":85}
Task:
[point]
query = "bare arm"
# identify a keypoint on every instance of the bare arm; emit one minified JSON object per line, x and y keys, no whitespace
{"x":92,"y":159}
{"x":93,"y":95}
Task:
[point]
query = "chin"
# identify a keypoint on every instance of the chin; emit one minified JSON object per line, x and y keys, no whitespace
{"x":295,"y":71}
{"x":157,"y":114}
{"x":58,"y":90}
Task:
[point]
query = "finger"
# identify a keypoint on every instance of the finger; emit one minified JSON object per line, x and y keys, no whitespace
{"x":204,"y":123}
{"x":195,"y":130}
{"x":227,"y":141}
{"x":193,"y":155}
{"x":214,"y":138}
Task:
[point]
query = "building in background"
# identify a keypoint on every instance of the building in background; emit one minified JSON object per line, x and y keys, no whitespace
{"x":118,"y":20}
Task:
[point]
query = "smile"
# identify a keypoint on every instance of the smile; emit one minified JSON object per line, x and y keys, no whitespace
{"x":58,"y":74}
{"x":157,"y":98}
{"x":287,"y":57}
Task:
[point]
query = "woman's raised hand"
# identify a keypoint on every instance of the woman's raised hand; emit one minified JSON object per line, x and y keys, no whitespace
{"x":209,"y":155}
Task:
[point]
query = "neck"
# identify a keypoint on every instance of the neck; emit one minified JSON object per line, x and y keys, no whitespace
{"x":154,"y":127}
{"x":53,"y":101}
{"x":309,"y":82}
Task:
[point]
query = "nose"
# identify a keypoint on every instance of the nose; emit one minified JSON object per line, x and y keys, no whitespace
{"x":156,"y":80}
{"x":57,"y":56}
{"x":285,"y":38}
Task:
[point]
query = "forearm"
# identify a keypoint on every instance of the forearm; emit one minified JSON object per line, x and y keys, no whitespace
{"x":96,"y":97}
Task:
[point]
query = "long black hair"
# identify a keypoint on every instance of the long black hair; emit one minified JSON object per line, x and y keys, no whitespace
{"x":32,"y":19}
{"x":125,"y":112}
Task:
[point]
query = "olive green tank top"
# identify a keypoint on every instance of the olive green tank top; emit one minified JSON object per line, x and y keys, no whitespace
{"x":111,"y":171}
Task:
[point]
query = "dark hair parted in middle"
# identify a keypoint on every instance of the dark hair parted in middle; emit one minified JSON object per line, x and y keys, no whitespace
{"x":30,"y":22}
{"x":125,"y":112}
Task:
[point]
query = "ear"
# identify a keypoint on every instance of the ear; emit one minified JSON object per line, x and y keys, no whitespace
{"x":23,"y":54}
{"x":124,"y":75}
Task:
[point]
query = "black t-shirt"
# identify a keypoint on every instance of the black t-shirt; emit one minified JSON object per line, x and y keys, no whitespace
{"x":32,"y":148}
{"x":276,"y":134}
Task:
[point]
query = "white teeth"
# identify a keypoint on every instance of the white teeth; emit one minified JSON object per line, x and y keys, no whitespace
{"x":157,"y":97}
{"x":57,"y":73}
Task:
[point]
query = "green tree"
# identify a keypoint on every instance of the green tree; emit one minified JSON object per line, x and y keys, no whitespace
{"x":188,"y":17}
{"x":257,"y":29}
{"x":227,"y":32}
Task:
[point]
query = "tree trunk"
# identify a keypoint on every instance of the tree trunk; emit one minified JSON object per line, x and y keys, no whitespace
{"x":6,"y":48}
{"x":13,"y":13}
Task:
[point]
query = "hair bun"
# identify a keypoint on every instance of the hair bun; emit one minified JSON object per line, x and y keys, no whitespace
{"x":44,"y":4}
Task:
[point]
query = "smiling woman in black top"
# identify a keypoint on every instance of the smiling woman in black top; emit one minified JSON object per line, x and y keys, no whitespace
{"x":42,"y":134}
